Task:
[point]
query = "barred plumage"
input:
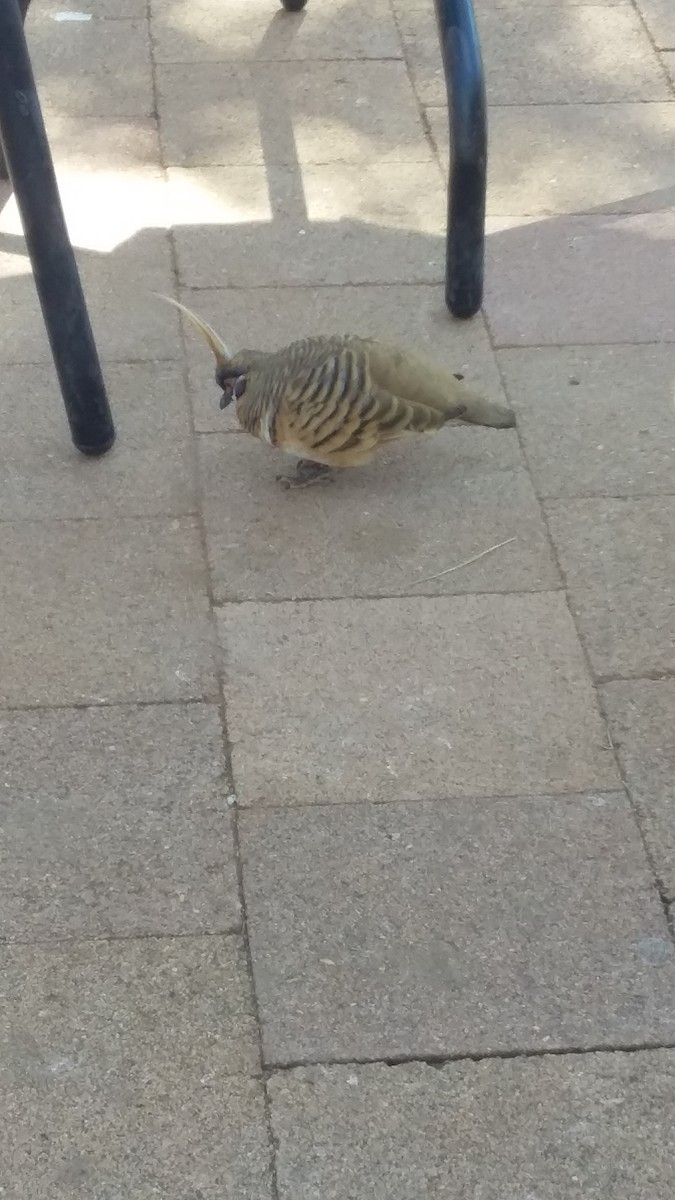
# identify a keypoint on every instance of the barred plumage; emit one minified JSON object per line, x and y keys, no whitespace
{"x":333,"y":401}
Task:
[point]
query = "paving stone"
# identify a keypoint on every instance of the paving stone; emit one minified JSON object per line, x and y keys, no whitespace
{"x":146,"y":1013}
{"x":97,"y":144}
{"x":405,"y":6}
{"x":333,"y":224}
{"x":578,"y":1127}
{"x":115,"y":822}
{"x":123,"y":1068}
{"x":389,"y":931}
{"x":106,"y":205}
{"x":99,"y":67}
{"x":545,"y":54}
{"x":128,"y":323}
{"x":412,"y":698}
{"x":659,"y":17}
{"x":415,"y":511}
{"x":274,"y":113}
{"x":581,"y":280}
{"x":618,"y":558}
{"x":106,"y":92}
{"x":209,"y":1142}
{"x":525,"y":4}
{"x":61,"y":47}
{"x":205,"y":30}
{"x":668,"y":61}
{"x":641,"y":722}
{"x":107,"y":1145}
{"x":595,"y":420}
{"x":568,"y":158}
{"x":148,"y":472}
{"x":109,"y":10}
{"x":104,"y":611}
{"x":273,"y":317}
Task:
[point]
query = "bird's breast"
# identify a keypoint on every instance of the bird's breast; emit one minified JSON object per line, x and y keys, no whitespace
{"x":257,"y":417}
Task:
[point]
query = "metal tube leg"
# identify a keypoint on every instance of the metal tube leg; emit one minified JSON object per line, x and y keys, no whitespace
{"x":467,"y":116}
{"x":57,"y":280}
{"x":4,"y":174}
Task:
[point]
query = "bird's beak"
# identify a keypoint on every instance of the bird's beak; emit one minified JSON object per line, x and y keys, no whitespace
{"x":220,"y":350}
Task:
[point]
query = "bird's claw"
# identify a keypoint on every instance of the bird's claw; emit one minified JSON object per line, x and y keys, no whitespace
{"x":306,"y":474}
{"x":292,"y":483}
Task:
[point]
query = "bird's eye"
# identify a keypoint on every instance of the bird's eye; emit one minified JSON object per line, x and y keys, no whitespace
{"x":239,"y":387}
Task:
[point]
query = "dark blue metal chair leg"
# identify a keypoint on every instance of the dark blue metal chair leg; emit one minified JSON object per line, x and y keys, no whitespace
{"x":31,"y":170}
{"x":467,"y":115}
{"x":24,"y":5}
{"x":293,"y":5}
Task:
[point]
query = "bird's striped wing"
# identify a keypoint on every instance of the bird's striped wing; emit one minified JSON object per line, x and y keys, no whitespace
{"x":329,"y":410}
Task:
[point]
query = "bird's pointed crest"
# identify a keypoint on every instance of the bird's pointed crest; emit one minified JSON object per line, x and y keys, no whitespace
{"x":220,"y":350}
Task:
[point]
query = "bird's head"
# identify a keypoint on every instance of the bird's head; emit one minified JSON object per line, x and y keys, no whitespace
{"x":230,"y":373}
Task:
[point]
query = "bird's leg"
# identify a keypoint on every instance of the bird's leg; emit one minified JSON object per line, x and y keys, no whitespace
{"x":306,"y":473}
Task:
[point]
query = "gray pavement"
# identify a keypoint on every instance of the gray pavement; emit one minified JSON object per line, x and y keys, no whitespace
{"x":318,"y":882}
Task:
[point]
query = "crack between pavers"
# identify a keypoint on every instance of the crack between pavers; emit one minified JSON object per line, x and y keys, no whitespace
{"x":83,"y":705}
{"x":442,"y":1060}
{"x":657,"y":676}
{"x":61,"y":939}
{"x":657,"y":50}
{"x":374,"y":597}
{"x":254,"y":807}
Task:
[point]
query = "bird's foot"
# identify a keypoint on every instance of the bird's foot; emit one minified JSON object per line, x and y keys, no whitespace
{"x":306,"y":473}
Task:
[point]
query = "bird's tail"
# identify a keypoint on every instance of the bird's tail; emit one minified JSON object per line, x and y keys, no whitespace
{"x":421,"y":382}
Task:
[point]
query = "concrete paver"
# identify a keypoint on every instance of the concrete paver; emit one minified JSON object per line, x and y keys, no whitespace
{"x":595,"y":420}
{"x":148,"y":1013}
{"x":60,"y":47}
{"x":581,"y":279}
{"x":453,"y":929}
{"x":150,"y":472}
{"x":110,"y":10}
{"x":207,"y":31}
{"x":163,"y":797}
{"x":659,"y":18}
{"x":127,"y":1069}
{"x":110,"y":61}
{"x":640,"y":714}
{"x":115,"y":822}
{"x":113,"y":94}
{"x":104,"y":611}
{"x":540,"y":54}
{"x":118,"y":149}
{"x":127,"y":322}
{"x":618,"y":557}
{"x":578,"y":1127}
{"x":90,"y":1144}
{"x":390,"y":532}
{"x":341,"y":223}
{"x":409,"y":698}
{"x":276,"y":113}
{"x":573,"y":158}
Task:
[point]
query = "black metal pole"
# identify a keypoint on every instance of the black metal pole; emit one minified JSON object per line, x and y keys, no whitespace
{"x":24,"y":5}
{"x":57,"y":279}
{"x":467,"y":116}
